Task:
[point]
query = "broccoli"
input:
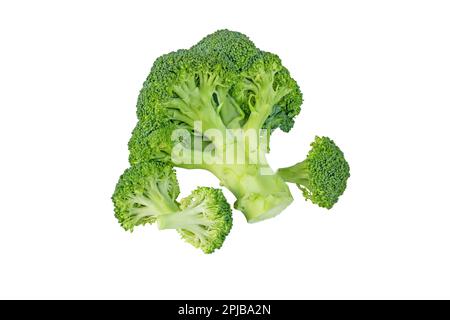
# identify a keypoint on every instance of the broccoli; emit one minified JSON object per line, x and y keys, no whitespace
{"x":146,"y":193}
{"x":323,"y":175}
{"x":204,"y":221}
{"x":234,"y":90}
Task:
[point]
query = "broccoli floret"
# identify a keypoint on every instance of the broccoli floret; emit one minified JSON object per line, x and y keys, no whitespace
{"x":143,"y":192}
{"x":323,"y":175}
{"x":146,"y":193}
{"x":225,"y":82}
{"x":204,"y":221}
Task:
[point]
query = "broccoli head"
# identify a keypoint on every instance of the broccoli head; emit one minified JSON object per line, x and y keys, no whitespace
{"x":323,"y":175}
{"x":143,"y":192}
{"x":224,"y":83}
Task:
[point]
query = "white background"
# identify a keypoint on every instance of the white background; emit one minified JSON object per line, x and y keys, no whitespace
{"x":375,"y":77}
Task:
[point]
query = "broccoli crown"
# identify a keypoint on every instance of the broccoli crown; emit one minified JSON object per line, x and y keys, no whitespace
{"x":223,"y":81}
{"x":322,"y":177}
{"x":204,"y":219}
{"x":267,"y":82}
{"x":231,"y":51}
{"x":143,"y":192}
{"x":146,"y":143}
{"x":214,"y":220}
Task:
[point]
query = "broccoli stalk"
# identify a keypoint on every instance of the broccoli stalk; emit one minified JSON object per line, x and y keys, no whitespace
{"x":260,"y":194}
{"x":225,"y":83}
{"x":323,"y":175}
{"x":146,"y":193}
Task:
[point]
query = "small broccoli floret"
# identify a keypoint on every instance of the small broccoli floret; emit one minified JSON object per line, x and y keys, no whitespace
{"x":143,"y":192}
{"x":147,"y":192}
{"x":224,"y":82}
{"x":322,"y":177}
{"x":269,"y":96}
{"x":204,"y":220}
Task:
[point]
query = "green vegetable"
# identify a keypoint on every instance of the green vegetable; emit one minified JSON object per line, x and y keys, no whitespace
{"x":323,"y":175}
{"x":146,"y":193}
{"x":214,"y":107}
{"x":225,"y":82}
{"x":204,"y":221}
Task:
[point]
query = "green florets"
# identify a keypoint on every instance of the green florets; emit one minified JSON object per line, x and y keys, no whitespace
{"x":147,"y":192}
{"x":322,"y":177}
{"x":230,"y":50}
{"x":157,"y":86}
{"x":267,"y":81}
{"x":210,"y":82}
{"x":212,"y":217}
{"x":223,"y":82}
{"x":204,"y":219}
{"x":146,"y":143}
{"x":143,"y":192}
{"x":328,"y":171}
{"x":205,"y":108}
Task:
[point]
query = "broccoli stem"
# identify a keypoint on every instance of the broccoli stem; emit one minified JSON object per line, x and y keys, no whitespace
{"x":260,"y":193}
{"x":153,"y":203}
{"x":258,"y":116}
{"x":298,"y":173}
{"x":183,"y":219}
